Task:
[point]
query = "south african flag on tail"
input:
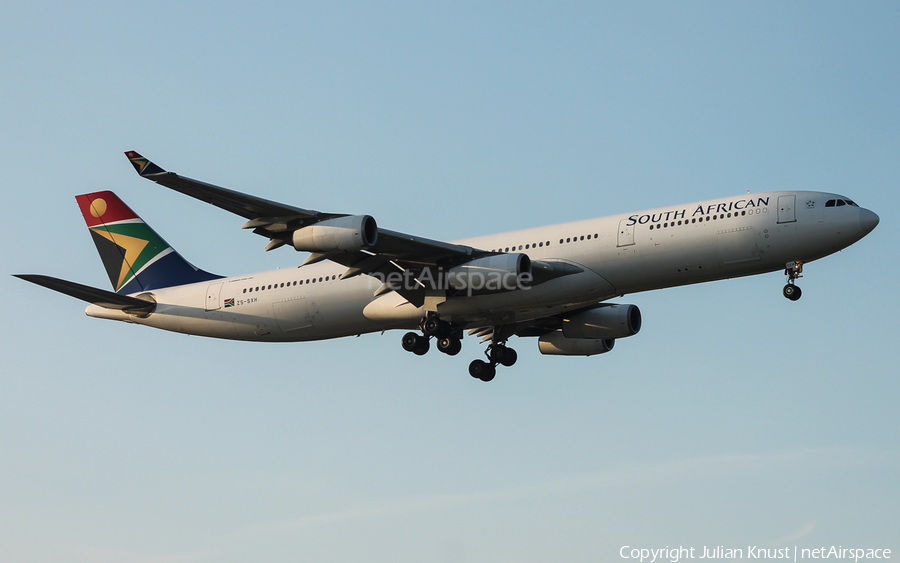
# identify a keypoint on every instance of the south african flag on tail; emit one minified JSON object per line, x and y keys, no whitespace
{"x":135,"y":257}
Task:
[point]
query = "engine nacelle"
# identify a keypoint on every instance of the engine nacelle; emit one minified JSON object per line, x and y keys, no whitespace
{"x":342,"y":234}
{"x":605,"y":321}
{"x":493,"y":273}
{"x":556,"y":344}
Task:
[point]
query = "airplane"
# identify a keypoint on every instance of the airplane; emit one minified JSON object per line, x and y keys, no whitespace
{"x":552,"y":283}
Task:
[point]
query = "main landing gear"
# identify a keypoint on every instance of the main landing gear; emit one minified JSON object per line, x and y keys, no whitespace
{"x":419,"y":344}
{"x":449,"y":341}
{"x":447,"y":336}
{"x":497,"y":353}
{"x":793,"y":270}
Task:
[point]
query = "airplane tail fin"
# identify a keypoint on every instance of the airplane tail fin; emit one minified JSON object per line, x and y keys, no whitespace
{"x":135,"y":257}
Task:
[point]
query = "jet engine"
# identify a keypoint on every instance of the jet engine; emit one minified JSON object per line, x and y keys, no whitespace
{"x":500,"y":272}
{"x":603,"y":322}
{"x":342,"y":234}
{"x":557,"y":344}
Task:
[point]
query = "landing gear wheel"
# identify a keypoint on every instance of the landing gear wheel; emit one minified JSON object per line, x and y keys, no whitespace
{"x":502,"y":355}
{"x":792,"y":292}
{"x":449,"y":345}
{"x":479,"y":369}
{"x":422,"y":345}
{"x":410,"y":341}
{"x":509,"y":357}
{"x":433,"y":326}
{"x":415,"y":343}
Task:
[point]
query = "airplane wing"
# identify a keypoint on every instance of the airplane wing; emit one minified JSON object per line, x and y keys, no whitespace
{"x":240,"y":204}
{"x":100,"y":297}
{"x":392,"y":251}
{"x":277,"y":220}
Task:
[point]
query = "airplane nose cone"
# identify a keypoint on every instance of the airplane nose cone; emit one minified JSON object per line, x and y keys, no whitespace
{"x":867,"y":220}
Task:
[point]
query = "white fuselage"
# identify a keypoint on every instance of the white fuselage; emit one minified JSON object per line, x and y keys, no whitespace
{"x":619,"y":254}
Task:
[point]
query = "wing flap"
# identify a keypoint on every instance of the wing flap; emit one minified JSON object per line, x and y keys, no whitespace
{"x":411,"y":248}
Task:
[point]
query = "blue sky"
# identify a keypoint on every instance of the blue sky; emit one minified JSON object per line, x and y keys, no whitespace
{"x":735,"y":418}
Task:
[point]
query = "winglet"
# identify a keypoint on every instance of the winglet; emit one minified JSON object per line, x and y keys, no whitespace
{"x":143,"y":166}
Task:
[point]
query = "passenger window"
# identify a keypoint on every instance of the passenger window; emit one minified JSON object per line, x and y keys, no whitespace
{"x":582,"y":237}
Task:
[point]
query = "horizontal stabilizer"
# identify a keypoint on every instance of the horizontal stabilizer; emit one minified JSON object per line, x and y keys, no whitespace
{"x":100,"y":297}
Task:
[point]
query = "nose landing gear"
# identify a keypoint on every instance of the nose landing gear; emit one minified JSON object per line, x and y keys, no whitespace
{"x":793,"y":270}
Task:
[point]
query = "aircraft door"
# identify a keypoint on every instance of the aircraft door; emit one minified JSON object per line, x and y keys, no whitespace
{"x":626,"y":233}
{"x":212,"y":297}
{"x":786,"y":212}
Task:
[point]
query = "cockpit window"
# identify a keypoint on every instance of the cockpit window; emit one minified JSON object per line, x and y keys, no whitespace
{"x":839,"y":203}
